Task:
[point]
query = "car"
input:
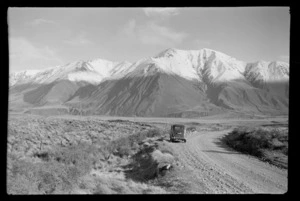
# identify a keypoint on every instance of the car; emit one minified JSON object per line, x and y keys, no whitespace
{"x":177,"y":133}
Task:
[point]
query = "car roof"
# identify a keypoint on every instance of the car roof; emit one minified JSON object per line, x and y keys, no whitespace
{"x":179,"y":125}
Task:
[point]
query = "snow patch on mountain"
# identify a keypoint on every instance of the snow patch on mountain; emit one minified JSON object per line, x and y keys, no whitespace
{"x":263,"y":71}
{"x":103,"y":67}
{"x":93,"y":71}
{"x":177,"y":62}
{"x":194,"y":64}
{"x":203,"y":64}
{"x":90,"y":77}
{"x":21,"y":76}
{"x":149,"y":87}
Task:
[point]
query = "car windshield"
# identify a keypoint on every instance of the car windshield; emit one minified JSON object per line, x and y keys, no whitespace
{"x":178,"y":128}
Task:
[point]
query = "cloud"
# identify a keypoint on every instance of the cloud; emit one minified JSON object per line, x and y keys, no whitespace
{"x":152,"y":33}
{"x":24,"y":55}
{"x":40,"y":21}
{"x":161,"y":12}
{"x":201,"y":43}
{"x":156,"y":34}
{"x":130,"y":27}
{"x":79,"y":40}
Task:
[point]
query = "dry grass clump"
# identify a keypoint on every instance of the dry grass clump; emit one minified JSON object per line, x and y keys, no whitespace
{"x":150,"y":162}
{"x":126,"y":146}
{"x":63,"y":168}
{"x":165,"y":148}
{"x":41,"y":178}
{"x":57,"y":178}
{"x":162,"y":160}
{"x":157,"y":164}
{"x":110,"y":184}
{"x":191,"y":129}
{"x":268,"y":144}
{"x":57,"y":171}
{"x":28,"y":134}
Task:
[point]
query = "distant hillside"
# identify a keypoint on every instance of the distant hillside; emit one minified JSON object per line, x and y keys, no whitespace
{"x":177,"y":83}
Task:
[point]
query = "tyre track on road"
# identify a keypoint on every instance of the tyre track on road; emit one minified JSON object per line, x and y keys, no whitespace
{"x":218,"y":170}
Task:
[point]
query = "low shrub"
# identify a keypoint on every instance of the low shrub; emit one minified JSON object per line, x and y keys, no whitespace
{"x":81,"y":156}
{"x":143,"y":166}
{"x":154,"y":132}
{"x":126,"y":146}
{"x":164,"y":148}
{"x":58,"y":170}
{"x":191,"y":129}
{"x":111,"y":185}
{"x":41,"y":178}
{"x":150,"y":161}
{"x":259,"y":141}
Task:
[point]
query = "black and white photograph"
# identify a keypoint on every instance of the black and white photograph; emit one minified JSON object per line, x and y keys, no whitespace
{"x":148,"y":100}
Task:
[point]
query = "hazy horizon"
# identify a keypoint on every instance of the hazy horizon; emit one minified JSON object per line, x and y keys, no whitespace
{"x":45,"y":37}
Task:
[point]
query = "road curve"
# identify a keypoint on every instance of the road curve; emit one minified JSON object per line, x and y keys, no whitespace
{"x":218,"y":169}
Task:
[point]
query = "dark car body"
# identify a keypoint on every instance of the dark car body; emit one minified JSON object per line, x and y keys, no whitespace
{"x":177,"y":133}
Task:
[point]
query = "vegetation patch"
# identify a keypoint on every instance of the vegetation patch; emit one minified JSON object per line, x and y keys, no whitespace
{"x":269,"y":144}
{"x":149,"y":163}
{"x":191,"y":129}
{"x":56,"y":171}
{"x":157,"y":164}
{"x":87,"y":166}
{"x":128,"y":145}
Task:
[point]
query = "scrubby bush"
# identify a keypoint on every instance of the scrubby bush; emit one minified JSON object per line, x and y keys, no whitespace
{"x":41,"y":178}
{"x":126,"y":146}
{"x":154,"y":132}
{"x":81,"y":156}
{"x":191,"y":129}
{"x":111,"y":185}
{"x":122,"y":146}
{"x":164,"y":148}
{"x":143,"y":166}
{"x":151,"y":161}
{"x":258,"y":141}
{"x":58,"y":170}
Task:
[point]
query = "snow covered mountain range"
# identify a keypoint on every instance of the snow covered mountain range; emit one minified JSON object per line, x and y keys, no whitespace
{"x":172,"y":83}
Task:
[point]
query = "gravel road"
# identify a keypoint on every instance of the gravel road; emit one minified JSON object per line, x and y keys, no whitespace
{"x":217,"y":169}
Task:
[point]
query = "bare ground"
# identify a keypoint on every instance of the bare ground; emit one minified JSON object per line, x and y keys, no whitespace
{"x":205,"y":164}
{"x":217,"y":169}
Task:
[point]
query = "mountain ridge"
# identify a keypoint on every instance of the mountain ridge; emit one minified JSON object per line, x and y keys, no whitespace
{"x":205,"y":52}
{"x":178,"y":82}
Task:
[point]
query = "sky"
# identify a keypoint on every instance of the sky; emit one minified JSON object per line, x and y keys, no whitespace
{"x":47,"y":37}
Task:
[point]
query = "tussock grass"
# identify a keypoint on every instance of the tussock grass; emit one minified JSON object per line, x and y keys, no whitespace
{"x":126,"y":146}
{"x":191,"y":129}
{"x":112,"y":185}
{"x":165,"y":148}
{"x":268,"y":144}
{"x":145,"y":164}
{"x":57,"y":172}
{"x":151,"y":161}
{"x":41,"y":178}
{"x":67,"y":169}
